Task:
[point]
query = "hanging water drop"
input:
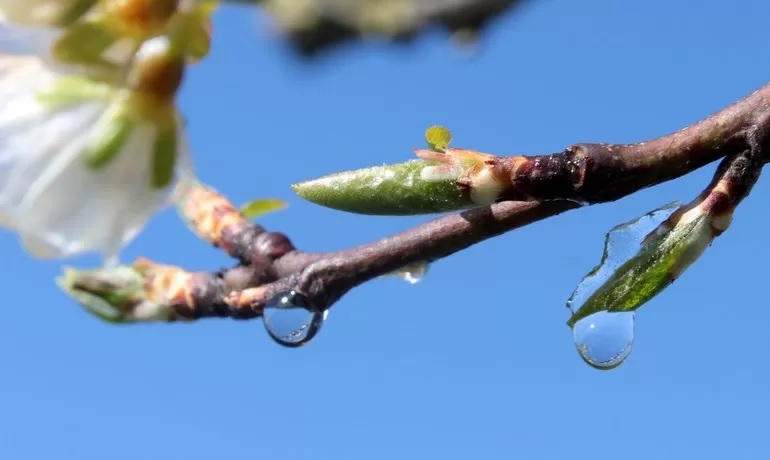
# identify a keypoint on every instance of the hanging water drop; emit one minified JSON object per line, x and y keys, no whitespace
{"x":604,"y":340}
{"x":291,"y":321}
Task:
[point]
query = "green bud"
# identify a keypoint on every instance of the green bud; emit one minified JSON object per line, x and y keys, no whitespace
{"x":398,"y":189}
{"x":665,"y":254}
{"x":114,"y":294}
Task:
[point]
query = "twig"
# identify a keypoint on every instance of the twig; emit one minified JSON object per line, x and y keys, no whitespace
{"x":271,"y":266}
{"x":330,"y":23}
{"x":597,"y":173}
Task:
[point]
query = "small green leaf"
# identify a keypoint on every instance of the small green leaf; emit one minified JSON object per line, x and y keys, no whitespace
{"x":108,"y":137}
{"x":438,"y":137}
{"x":397,"y":189}
{"x":666,"y":254}
{"x":256,"y":208}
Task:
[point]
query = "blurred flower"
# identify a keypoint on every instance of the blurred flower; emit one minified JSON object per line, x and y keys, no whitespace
{"x":85,"y":163}
{"x":97,"y":36}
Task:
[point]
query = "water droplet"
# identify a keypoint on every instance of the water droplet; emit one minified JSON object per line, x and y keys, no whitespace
{"x":604,"y":340}
{"x":412,"y":273}
{"x":291,"y":321}
{"x":621,"y":244}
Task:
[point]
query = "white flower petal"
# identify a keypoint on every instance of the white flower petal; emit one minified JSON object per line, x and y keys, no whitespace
{"x":58,"y":205}
{"x":75,"y":209}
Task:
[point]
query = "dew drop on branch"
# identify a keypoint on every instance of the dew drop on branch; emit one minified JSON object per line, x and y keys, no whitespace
{"x":291,"y":321}
{"x":412,"y":273}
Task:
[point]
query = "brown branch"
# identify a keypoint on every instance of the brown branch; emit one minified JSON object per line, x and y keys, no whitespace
{"x":271,"y":266}
{"x":597,"y":173}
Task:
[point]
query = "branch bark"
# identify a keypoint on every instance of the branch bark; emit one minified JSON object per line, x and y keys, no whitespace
{"x":597,"y":173}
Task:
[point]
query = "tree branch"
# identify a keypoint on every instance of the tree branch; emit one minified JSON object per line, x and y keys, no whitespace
{"x":270,"y":265}
{"x":597,"y":173}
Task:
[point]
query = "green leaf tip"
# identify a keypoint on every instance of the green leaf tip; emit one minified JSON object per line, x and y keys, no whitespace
{"x":663,"y":256}
{"x":393,"y":190}
{"x":438,"y":137}
{"x":259,"y":207}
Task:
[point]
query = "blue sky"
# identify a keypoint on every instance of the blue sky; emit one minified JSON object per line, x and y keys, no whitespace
{"x":475,"y":361}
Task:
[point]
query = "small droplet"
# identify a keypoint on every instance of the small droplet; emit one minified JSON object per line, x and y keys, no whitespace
{"x":413,"y":273}
{"x":604,"y":340}
{"x":291,"y":321}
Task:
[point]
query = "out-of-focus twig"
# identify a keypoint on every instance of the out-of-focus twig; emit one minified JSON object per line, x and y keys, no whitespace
{"x":316,"y":26}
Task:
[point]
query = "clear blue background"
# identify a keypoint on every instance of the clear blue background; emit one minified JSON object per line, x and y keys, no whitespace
{"x":475,"y":361}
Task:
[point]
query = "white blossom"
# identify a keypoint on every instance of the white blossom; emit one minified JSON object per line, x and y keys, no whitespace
{"x":58,"y":204}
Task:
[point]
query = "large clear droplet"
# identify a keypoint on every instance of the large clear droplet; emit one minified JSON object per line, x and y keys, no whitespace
{"x":604,"y":340}
{"x":621,"y":244}
{"x":291,"y":321}
{"x":412,"y":273}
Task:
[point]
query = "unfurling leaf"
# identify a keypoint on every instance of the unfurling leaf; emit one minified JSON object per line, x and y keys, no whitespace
{"x":664,"y":254}
{"x":256,"y":208}
{"x":399,"y":189}
{"x":438,"y":138}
